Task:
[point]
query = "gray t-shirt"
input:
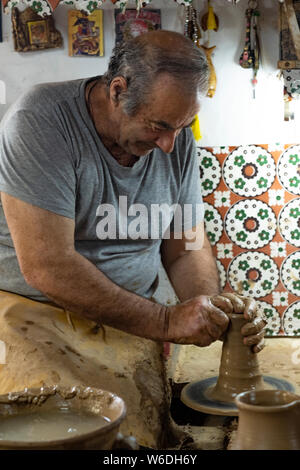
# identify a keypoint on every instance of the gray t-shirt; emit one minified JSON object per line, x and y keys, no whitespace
{"x":52,"y":157}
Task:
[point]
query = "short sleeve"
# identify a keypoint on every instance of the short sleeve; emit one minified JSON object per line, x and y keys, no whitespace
{"x":36,"y":163}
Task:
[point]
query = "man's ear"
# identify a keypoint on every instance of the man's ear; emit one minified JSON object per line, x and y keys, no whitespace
{"x":117,"y":87}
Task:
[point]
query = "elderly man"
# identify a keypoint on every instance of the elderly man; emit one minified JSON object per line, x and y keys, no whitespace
{"x":69,"y":151}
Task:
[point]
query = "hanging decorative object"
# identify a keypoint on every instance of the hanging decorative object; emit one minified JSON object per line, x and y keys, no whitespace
{"x":86,"y":6}
{"x":250,"y":57}
{"x":41,"y":7}
{"x":192,"y":28}
{"x":85,"y":34}
{"x":212,"y":84}
{"x":192,"y":31}
{"x":122,"y":4}
{"x":131,"y":24}
{"x":46,"y":7}
{"x":185,"y":3}
{"x":33,"y":33}
{"x":289,"y":61}
{"x":196,"y":128}
{"x":209,"y":20}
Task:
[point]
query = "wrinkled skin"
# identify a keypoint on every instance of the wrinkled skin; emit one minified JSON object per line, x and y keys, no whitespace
{"x":203,"y":320}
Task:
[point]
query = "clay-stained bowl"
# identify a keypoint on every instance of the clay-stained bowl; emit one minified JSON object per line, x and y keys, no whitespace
{"x":90,"y":400}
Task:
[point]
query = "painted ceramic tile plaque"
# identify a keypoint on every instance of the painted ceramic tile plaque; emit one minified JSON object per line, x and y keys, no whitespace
{"x":252,"y":216}
{"x":85,"y":33}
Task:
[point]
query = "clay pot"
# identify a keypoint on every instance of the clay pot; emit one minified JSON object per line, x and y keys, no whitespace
{"x":239,"y":369}
{"x":268,"y":420}
{"x":89,"y":400}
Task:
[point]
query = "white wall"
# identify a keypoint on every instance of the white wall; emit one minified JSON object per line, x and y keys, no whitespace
{"x":232,"y":117}
{"x":20,"y":70}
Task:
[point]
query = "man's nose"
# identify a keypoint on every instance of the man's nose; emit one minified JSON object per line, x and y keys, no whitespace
{"x":166,"y":141}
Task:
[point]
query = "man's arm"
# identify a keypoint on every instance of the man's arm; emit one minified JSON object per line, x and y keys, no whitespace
{"x":191,"y":272}
{"x":44,"y":243}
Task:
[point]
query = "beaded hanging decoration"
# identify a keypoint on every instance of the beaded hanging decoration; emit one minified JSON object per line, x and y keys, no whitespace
{"x":191,"y":26}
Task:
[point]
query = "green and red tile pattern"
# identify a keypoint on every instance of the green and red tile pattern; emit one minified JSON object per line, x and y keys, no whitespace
{"x":252,"y":217}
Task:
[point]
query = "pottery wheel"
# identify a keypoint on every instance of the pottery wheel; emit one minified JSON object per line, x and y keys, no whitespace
{"x":196,"y":395}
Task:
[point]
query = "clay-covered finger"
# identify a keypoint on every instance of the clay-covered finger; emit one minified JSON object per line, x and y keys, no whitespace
{"x":237,"y":302}
{"x":254,"y":327}
{"x":222,"y":303}
{"x":218,"y":317}
{"x":258,"y":347}
{"x":250,"y":308}
{"x":254,"y":340}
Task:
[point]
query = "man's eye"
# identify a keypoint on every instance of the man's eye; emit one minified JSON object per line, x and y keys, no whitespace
{"x":156,"y":129}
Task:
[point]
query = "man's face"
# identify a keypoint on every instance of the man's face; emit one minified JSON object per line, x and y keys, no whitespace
{"x":157,"y":124}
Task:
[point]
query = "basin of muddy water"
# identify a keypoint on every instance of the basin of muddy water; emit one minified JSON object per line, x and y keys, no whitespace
{"x":60,"y":418}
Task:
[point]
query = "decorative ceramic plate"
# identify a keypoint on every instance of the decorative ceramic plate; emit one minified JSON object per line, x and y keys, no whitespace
{"x":290,"y":273}
{"x":291,"y":320}
{"x":271,"y":316}
{"x":210,"y":171}
{"x":288,"y":169}
{"x":253,"y":274}
{"x":213,"y":223}
{"x":289,"y":222}
{"x":249,"y":170}
{"x":250,"y":223}
{"x":222,"y":274}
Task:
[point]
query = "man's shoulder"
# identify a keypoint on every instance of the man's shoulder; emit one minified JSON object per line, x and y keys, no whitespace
{"x":42,"y":101}
{"x":44,"y":95}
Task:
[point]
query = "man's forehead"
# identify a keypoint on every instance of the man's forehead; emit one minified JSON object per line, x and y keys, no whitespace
{"x":171,"y":115}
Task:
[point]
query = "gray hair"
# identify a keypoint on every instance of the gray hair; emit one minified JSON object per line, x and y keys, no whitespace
{"x":141,"y":62}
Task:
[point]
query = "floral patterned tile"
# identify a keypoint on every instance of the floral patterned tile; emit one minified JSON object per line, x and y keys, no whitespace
{"x":252,"y":218}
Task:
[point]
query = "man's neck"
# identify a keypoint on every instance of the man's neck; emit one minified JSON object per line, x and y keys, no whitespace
{"x":98,"y":106}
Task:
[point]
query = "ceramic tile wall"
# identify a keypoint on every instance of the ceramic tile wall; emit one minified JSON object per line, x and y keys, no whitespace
{"x":252,"y":217}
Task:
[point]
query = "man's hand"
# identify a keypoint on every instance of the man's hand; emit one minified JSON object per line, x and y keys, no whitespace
{"x":253,"y":330}
{"x":196,"y":321}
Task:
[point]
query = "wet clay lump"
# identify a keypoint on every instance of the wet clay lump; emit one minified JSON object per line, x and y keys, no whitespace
{"x":239,"y":368}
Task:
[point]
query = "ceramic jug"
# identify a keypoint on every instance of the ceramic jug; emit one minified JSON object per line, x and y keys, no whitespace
{"x":268,"y":420}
